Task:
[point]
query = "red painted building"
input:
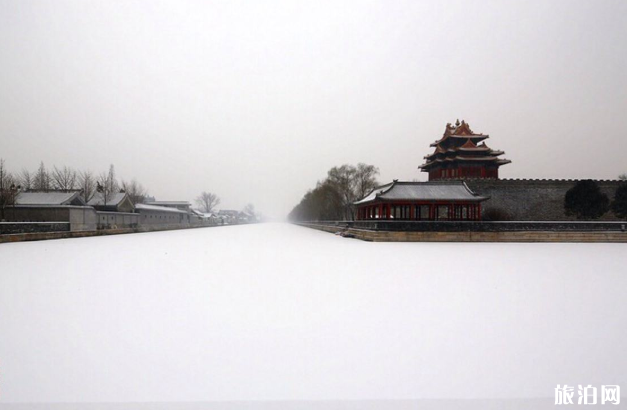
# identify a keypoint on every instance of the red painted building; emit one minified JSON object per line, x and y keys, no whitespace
{"x":441,"y":200}
{"x":461,"y":154}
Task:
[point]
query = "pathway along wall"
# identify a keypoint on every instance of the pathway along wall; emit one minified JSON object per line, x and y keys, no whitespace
{"x":532,"y":199}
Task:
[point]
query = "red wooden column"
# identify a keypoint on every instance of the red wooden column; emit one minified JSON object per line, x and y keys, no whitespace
{"x":478,"y":212}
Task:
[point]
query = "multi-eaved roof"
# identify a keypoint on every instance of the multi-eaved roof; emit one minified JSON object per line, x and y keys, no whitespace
{"x":460,"y":145}
{"x":450,"y":191}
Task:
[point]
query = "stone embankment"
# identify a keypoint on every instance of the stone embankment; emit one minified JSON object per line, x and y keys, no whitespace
{"x":40,"y":236}
{"x":506,"y":232}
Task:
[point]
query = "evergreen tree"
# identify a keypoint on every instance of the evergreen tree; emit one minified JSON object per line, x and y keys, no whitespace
{"x":619,"y":204}
{"x":586,"y":201}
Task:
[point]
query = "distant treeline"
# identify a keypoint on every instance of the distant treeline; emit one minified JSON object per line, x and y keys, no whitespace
{"x":332,"y":198}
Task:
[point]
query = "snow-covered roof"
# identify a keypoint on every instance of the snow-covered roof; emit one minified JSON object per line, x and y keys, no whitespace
{"x":169,"y":203}
{"x":146,"y":207}
{"x":423,"y":191}
{"x":228,"y":212}
{"x":49,"y":198}
{"x":112,"y":199}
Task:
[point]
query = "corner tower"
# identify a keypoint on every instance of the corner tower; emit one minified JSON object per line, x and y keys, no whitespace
{"x":462,"y":154}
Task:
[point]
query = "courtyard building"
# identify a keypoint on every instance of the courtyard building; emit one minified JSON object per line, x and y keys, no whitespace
{"x":441,"y":200}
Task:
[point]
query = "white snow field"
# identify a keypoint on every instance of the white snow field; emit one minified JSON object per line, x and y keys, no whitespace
{"x":277,"y":316}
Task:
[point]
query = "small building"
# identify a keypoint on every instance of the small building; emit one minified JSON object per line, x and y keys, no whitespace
{"x":228,"y":216}
{"x":196,"y":217}
{"x":460,"y":154}
{"x":441,"y":200}
{"x":212,"y":218}
{"x":161,"y":215}
{"x":118,"y":202}
{"x":66,"y":207}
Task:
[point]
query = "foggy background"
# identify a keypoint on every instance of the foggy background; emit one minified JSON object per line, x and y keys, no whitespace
{"x":255,"y":101}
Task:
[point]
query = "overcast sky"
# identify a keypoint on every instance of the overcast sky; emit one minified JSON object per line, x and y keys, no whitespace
{"x":257,"y":100}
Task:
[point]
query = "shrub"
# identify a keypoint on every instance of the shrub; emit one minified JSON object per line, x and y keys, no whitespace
{"x":586,"y":201}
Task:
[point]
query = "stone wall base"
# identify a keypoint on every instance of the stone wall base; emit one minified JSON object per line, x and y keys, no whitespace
{"x":511,"y":236}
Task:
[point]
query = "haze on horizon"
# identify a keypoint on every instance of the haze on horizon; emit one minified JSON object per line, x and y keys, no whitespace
{"x":255,"y":101}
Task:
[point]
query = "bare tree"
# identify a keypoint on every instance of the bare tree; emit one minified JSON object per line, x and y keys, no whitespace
{"x":352,"y":183}
{"x":8,"y":189}
{"x":26,"y":179}
{"x":87,"y":184}
{"x":250,"y":209}
{"x":136,"y":191}
{"x":64,"y":179}
{"x":41,"y":179}
{"x":107,"y":184}
{"x":111,"y":180}
{"x":342,"y":180}
{"x":207,"y":201}
{"x":622,"y":177}
{"x":365,"y":179}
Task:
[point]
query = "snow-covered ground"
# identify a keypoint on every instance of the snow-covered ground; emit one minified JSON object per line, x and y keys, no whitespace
{"x":281,"y":312}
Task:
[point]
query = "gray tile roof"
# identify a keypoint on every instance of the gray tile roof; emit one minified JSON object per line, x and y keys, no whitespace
{"x":422,"y":191}
{"x":48,"y":198}
{"x":112,"y":199}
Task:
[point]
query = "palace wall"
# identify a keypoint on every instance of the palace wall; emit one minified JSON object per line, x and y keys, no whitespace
{"x":532,"y":199}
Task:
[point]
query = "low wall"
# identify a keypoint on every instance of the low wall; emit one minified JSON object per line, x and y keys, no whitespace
{"x":376,"y":234}
{"x":80,"y":218}
{"x":117,"y":220}
{"x":40,"y":236}
{"x":33,"y":227}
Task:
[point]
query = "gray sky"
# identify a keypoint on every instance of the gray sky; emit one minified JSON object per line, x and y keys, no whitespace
{"x":257,"y":100}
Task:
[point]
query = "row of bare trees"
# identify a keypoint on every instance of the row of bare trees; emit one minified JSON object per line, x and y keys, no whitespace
{"x":66,"y":179}
{"x":333,"y":198}
{"x":207,"y":202}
